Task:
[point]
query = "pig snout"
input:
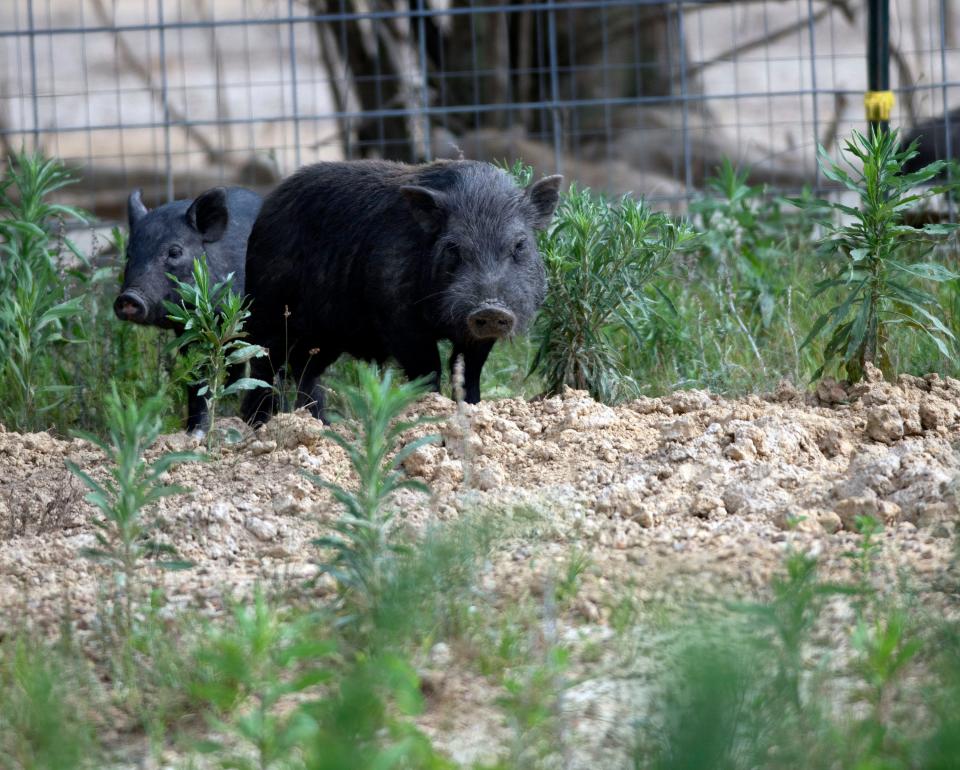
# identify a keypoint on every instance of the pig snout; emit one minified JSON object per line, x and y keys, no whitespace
{"x":491,"y":321}
{"x":130,"y":306}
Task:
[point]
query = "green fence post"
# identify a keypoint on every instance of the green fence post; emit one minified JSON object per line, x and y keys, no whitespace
{"x":879,"y":98}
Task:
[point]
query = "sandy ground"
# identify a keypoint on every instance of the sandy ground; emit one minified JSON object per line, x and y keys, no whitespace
{"x":690,"y":495}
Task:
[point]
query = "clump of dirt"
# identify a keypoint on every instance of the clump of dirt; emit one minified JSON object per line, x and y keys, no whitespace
{"x":686,"y":495}
{"x":647,"y":483}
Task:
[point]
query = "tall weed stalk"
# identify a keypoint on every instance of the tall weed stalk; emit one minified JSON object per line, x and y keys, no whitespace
{"x":212,"y":319}
{"x":877,"y":264}
{"x":131,"y":487}
{"x":363,"y":553}
{"x":34,"y":307}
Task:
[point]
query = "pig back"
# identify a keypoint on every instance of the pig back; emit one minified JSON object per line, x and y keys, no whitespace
{"x":325,"y":242}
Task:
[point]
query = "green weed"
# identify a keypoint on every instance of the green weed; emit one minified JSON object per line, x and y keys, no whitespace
{"x":363,"y":555}
{"x":250,"y":666}
{"x":212,"y":319}
{"x":531,"y":704}
{"x":34,"y":310}
{"x":43,"y":720}
{"x":598,"y":256}
{"x":875,"y":258}
{"x":132,"y":487}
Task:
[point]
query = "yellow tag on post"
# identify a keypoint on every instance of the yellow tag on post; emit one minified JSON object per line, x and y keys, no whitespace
{"x":879,"y":105}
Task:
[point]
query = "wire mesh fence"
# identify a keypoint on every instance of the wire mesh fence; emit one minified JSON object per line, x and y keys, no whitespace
{"x":645,"y":96}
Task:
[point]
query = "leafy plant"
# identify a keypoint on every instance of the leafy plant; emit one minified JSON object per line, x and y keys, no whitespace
{"x":251,"y":665}
{"x":568,"y":584}
{"x":863,"y":559}
{"x":42,"y":721}
{"x":361,"y":726}
{"x":744,"y":236}
{"x":531,"y":703}
{"x":212,"y":319}
{"x":798,"y":599}
{"x":105,"y":350}
{"x":132,"y":486}
{"x":598,"y":256}
{"x":875,"y":257}
{"x":363,"y":554}
{"x":33,"y":305}
{"x":350,"y":713}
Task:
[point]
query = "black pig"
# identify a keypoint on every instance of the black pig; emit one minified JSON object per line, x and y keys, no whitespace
{"x":381,"y":260}
{"x":932,"y":141}
{"x":167,"y":240}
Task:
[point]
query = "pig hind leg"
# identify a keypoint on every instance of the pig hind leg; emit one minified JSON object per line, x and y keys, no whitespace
{"x":419,"y":358}
{"x":260,"y":404}
{"x":310,"y":393}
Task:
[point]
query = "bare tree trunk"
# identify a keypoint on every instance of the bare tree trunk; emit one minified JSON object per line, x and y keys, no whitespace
{"x":376,"y":61}
{"x":336,"y":70}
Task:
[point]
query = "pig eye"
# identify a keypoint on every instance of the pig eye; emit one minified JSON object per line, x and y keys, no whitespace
{"x":519,"y":247}
{"x":453,"y":251}
{"x":174,"y":252}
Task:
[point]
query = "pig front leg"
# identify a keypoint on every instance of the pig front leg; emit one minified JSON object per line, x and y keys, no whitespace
{"x":198,"y":418}
{"x":474,"y":357}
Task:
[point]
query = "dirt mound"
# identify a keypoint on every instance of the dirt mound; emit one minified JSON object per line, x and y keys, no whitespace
{"x":686,"y":486}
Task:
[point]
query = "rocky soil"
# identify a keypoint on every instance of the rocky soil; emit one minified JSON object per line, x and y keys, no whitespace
{"x":690,"y":495}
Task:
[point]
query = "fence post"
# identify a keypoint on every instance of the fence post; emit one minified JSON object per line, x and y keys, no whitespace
{"x":294,"y":85}
{"x":947,"y":135}
{"x":165,"y":96}
{"x":684,"y":102}
{"x":555,"y":87}
{"x":811,"y":32}
{"x":32,"y":31}
{"x":425,"y":82}
{"x":879,"y":98}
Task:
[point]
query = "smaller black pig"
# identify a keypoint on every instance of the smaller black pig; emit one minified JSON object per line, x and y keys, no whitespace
{"x":381,"y":260}
{"x":167,"y":240}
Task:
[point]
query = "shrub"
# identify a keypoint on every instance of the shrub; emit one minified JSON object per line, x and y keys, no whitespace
{"x":34,"y":307}
{"x":43,"y":724}
{"x":363,"y":554}
{"x":598,"y":256}
{"x":874,"y":259}
{"x":60,"y":344}
{"x":212,"y":319}
{"x":133,"y":485}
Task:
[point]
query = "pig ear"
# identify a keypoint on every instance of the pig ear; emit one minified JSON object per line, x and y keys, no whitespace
{"x":208,"y":214}
{"x":544,"y":195}
{"x":429,"y":207}
{"x":135,"y":208}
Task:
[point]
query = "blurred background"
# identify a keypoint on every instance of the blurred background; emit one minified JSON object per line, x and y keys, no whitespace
{"x":639,"y":96}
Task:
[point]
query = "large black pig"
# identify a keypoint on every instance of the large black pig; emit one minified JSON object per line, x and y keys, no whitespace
{"x":167,"y":240}
{"x":382,"y":260}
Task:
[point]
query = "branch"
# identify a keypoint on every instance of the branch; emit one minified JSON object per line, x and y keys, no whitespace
{"x":773,"y":37}
{"x":142,"y":71}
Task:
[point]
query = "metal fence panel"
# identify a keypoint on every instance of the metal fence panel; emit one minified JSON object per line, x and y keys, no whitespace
{"x":643,"y":96}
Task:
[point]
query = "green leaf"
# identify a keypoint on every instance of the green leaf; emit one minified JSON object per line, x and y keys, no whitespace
{"x":927,"y":270}
{"x":412,"y":447}
{"x":858,"y":330}
{"x":246,"y":353}
{"x":245,"y":383}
